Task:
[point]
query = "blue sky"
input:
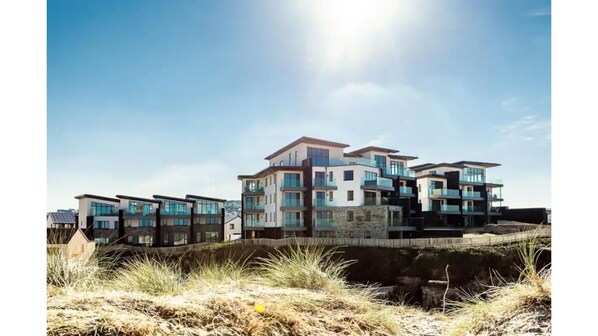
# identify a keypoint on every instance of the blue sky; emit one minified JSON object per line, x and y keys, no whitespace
{"x":177,"y":97}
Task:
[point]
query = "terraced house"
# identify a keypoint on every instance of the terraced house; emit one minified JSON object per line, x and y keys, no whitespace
{"x":313,"y":188}
{"x":158,"y":221}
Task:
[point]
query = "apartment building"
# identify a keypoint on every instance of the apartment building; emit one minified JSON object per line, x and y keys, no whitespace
{"x":158,"y":221}
{"x":313,"y":188}
{"x":458,"y":194}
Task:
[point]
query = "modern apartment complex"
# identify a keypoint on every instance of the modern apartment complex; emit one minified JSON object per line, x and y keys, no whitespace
{"x":158,"y":221}
{"x":458,"y":194}
{"x":312,"y":188}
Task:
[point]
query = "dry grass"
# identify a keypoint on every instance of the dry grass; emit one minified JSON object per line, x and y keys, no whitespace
{"x":150,"y":276}
{"x":74,"y":273}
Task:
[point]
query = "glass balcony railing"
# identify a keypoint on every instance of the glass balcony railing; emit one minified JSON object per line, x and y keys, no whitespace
{"x":468,"y":209}
{"x":179,"y":212}
{"x":406,"y":190}
{"x":448,"y":208}
{"x":494,"y":180}
{"x":494,"y":197}
{"x":323,"y":222}
{"x":401,"y":172}
{"x":292,"y":222}
{"x":379,"y":182}
{"x":292,"y":203}
{"x":104,"y":212}
{"x":292,"y":184}
{"x":445,"y":192}
{"x":255,"y":223}
{"x":322,"y":202}
{"x":254,"y":189}
{"x":494,"y":210}
{"x":322,"y":182}
{"x":352,"y":161}
{"x":143,"y":212}
{"x":471,"y":194}
{"x":254,"y":206}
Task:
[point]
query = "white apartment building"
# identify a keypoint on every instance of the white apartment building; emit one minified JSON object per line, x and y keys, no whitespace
{"x":312,"y":187}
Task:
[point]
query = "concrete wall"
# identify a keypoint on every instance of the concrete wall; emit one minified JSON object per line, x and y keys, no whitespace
{"x":376,"y":226}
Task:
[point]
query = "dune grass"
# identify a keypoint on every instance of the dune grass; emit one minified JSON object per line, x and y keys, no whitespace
{"x":73,"y":273}
{"x":151,"y":276}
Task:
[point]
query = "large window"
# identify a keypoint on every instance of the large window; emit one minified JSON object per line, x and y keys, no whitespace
{"x":143,"y":208}
{"x":175,"y":208}
{"x":146,"y":223}
{"x":100,"y":224}
{"x":181,"y":221}
{"x":292,"y":180}
{"x":396,"y":167}
{"x":102,"y":209}
{"x":370,"y":176}
{"x":102,"y":240}
{"x":212,"y":237}
{"x":213,"y":220}
{"x":318,"y":156}
{"x":474,"y":174}
{"x":320,"y":179}
{"x":380,"y":162}
{"x":348,"y":176}
{"x":180,"y":239}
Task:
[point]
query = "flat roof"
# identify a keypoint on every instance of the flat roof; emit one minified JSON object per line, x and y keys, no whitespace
{"x":104,"y":198}
{"x":174,"y":198}
{"x":432,"y":165}
{"x":479,"y":163}
{"x":269,"y":170}
{"x":402,"y":157}
{"x":307,"y":140}
{"x":205,"y":198}
{"x":374,"y":148}
{"x":149,"y":200}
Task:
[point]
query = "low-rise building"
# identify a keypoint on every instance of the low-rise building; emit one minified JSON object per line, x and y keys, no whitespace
{"x":232,"y":229}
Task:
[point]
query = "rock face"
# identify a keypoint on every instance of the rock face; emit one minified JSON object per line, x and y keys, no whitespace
{"x":433,"y":294}
{"x":366,"y":221}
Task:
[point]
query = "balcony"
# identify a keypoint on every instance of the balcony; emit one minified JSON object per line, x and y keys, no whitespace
{"x":324,"y":224}
{"x":445,"y":193}
{"x":473,"y":210}
{"x":186,"y":212}
{"x":447,"y":209}
{"x":254,"y":225}
{"x":496,"y":182}
{"x":253,"y":207}
{"x":494,"y":198}
{"x":322,"y":203}
{"x":292,"y":205}
{"x":103,"y":212}
{"x":472,"y":179}
{"x":473,"y":195}
{"x":406,"y":191}
{"x":403,"y":173}
{"x":253,"y":190}
{"x":494,"y":211}
{"x":380,"y":183}
{"x":371,"y":201}
{"x":293,"y":225}
{"x":348,"y":161}
{"x":139,"y":212}
{"x":324,"y":184}
{"x":292,"y":185}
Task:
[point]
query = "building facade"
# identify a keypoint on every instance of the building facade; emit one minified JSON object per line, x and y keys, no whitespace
{"x":312,"y":188}
{"x":232,"y":229}
{"x":158,"y":221}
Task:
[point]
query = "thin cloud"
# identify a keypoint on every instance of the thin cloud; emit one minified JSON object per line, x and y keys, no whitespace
{"x":528,"y":128}
{"x":544,"y":11}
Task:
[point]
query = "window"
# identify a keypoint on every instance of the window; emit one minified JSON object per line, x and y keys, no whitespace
{"x":130,"y":239}
{"x":212,"y":220}
{"x":370,"y":176}
{"x":198,"y":235}
{"x":180,"y":239}
{"x":146,"y":240}
{"x":206,"y":207}
{"x":367,"y":215}
{"x":100,"y":224}
{"x":116,"y":224}
{"x":102,"y":209}
{"x":181,"y":221}
{"x":212,"y":236}
{"x":166,"y":239}
{"x":102,"y":240}
{"x":292,"y":180}
{"x":319,"y":156}
{"x":367,"y":234}
{"x":331,"y":177}
{"x":348,"y":175}
{"x":320,"y":179}
{"x":175,"y":208}
{"x":349,"y":195}
{"x":349,"y":215}
{"x":380,"y":162}
{"x":350,"y":234}
{"x":396,"y":167}
{"x":231,"y":226}
{"x":146,"y":223}
{"x":289,"y":159}
{"x":143,"y":208}
{"x":128,"y":222}
{"x":295,"y":158}
{"x":330,"y":196}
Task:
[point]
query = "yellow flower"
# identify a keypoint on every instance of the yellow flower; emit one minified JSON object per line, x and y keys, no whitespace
{"x":260,"y":308}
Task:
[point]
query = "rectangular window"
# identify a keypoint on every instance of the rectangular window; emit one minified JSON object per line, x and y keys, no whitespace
{"x":130,"y":239}
{"x":380,"y":162}
{"x":349,"y":195}
{"x":166,"y":242}
{"x":198,"y":235}
{"x":116,"y":224}
{"x":367,"y":234}
{"x":330,"y":177}
{"x":100,"y":224}
{"x":146,"y":223}
{"x":146,"y":240}
{"x":213,"y":220}
{"x":212,"y":237}
{"x":319,"y":156}
{"x":289,"y":159}
{"x":180,"y":239}
{"x":142,"y":208}
{"x":348,"y":175}
{"x":396,"y":167}
{"x":320,"y":179}
{"x":370,"y":176}
{"x":295,"y":158}
{"x":349,"y":215}
{"x":330,"y":196}
{"x":206,"y":207}
{"x":181,"y":221}
{"x":102,"y":209}
{"x":102,"y":240}
{"x":292,"y":180}
{"x":175,"y":208}
{"x":231,"y":226}
{"x":367,"y":215}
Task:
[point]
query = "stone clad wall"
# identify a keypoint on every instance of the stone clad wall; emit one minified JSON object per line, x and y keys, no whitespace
{"x":376,"y":226}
